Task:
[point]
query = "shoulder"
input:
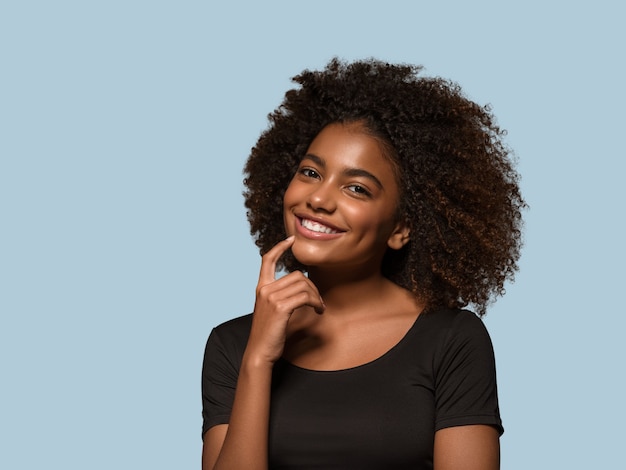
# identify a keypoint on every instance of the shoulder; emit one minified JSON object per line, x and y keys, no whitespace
{"x":464,"y":372}
{"x":229,"y":339}
{"x":450,"y":332}
{"x":446,"y":323}
{"x":236,"y":328}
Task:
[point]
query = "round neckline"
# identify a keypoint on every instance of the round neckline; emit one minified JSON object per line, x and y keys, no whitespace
{"x":387,"y":353}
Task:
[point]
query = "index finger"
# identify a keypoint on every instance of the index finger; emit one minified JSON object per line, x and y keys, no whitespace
{"x":268,"y":263}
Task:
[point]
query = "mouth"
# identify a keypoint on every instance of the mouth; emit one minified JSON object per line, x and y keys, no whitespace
{"x":317,"y":227}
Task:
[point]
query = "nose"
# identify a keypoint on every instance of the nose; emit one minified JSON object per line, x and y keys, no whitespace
{"x":322,"y":198}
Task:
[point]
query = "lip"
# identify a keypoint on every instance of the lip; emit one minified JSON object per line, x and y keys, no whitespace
{"x":305,"y":232}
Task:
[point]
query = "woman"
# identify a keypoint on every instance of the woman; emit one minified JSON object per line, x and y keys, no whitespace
{"x":397,"y":198}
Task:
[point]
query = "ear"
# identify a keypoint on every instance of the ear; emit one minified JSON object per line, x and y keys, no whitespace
{"x":399,"y":237}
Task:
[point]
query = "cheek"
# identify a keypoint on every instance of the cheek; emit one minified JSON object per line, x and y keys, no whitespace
{"x":288,"y":202}
{"x":378,"y":222}
{"x":366,"y":217}
{"x":290,"y":194}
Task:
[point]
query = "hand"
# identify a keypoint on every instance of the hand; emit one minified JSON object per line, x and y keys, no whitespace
{"x":276,"y":300}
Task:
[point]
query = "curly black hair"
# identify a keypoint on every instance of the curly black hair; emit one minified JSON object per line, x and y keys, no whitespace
{"x":459,"y":190}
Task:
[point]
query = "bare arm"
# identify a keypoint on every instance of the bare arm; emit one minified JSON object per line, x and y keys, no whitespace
{"x":243,"y":442}
{"x":474,"y":447}
{"x":212,"y":444}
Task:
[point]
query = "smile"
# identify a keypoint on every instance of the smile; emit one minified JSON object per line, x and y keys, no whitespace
{"x":316,"y":227}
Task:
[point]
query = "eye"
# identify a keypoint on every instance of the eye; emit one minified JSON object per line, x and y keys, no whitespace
{"x":358,"y":189}
{"x":308,"y":172}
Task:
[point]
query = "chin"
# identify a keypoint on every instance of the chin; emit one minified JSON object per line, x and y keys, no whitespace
{"x":306,"y":257}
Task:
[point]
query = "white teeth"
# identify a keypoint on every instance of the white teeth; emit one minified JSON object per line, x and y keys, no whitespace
{"x":315,"y":227}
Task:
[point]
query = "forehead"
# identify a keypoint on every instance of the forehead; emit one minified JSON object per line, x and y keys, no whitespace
{"x":349,"y":146}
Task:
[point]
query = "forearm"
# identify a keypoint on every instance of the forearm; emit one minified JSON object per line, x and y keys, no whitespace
{"x":245,"y":444}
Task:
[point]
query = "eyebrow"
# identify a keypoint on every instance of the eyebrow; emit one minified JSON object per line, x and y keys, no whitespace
{"x":348,"y":172}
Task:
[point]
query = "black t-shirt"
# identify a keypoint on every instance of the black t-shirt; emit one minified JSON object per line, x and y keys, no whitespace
{"x":380,"y":415}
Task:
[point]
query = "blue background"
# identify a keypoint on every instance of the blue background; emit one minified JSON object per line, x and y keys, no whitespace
{"x":124,"y":127}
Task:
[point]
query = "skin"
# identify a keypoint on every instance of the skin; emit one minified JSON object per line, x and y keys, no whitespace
{"x":330,"y":319}
{"x":346,"y":183}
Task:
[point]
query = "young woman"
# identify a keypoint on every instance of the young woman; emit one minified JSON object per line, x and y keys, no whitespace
{"x":392,"y":202}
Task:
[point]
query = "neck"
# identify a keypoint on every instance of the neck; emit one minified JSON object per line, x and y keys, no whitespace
{"x":348,"y":290}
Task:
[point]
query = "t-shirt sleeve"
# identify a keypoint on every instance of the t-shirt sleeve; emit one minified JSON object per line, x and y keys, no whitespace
{"x":465,"y":380}
{"x":220,"y":370}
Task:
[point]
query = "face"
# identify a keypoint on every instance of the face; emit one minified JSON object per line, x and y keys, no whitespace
{"x":341,"y":204}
